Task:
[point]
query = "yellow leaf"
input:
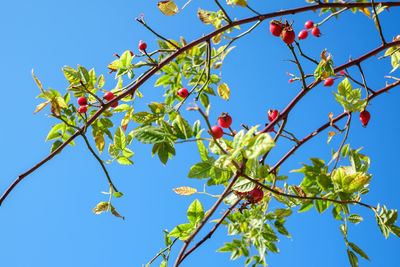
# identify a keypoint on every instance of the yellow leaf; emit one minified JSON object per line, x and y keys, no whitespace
{"x":99,"y":140}
{"x":126,"y":119}
{"x":365,"y":11}
{"x":38,"y":83}
{"x":40,"y":107}
{"x":168,"y":8}
{"x":185,"y":190}
{"x":223,"y":91}
{"x":217,"y":39}
{"x":203,"y":16}
{"x":242,"y":3}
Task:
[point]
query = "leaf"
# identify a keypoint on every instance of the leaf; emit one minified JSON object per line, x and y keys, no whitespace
{"x":149,"y":135}
{"x":118,"y":194}
{"x":359,"y":251}
{"x":115,"y":213}
{"x":119,"y":139}
{"x":355,"y":218}
{"x":185,"y":190}
{"x":124,"y":160}
{"x":41,"y":106}
{"x":195,"y":212}
{"x":168,"y":8}
{"x":224,"y":91}
{"x":182,"y":231}
{"x":182,"y":127}
{"x":283,"y":212}
{"x":352,"y":258}
{"x":200,"y":170}
{"x":242,"y":3}
{"x":204,"y":16}
{"x":99,"y":140}
{"x":101,"y":207}
{"x":55,"y":145}
{"x":38,"y":83}
{"x":262,"y":143}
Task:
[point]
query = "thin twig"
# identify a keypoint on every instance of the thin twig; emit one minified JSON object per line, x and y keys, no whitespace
{"x":156,"y":34}
{"x":100,"y":161}
{"x":364,"y":82}
{"x":223,"y":10}
{"x":303,"y":55}
{"x":331,"y":15}
{"x":161,"y":252}
{"x":344,"y":140}
{"x":378,"y":24}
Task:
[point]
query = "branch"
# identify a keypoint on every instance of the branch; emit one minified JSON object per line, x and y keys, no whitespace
{"x":185,"y":48}
{"x":378,"y":24}
{"x":208,"y":236}
{"x":344,"y":140}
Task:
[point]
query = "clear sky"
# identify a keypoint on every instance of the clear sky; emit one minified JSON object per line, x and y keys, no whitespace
{"x":47,"y":220}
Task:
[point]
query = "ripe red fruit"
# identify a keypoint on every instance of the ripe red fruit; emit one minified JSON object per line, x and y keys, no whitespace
{"x":255,"y":195}
{"x":183,"y":92}
{"x":309,"y":24}
{"x":288,"y":35}
{"x":82,"y":101}
{"x":364,"y":117}
{"x":82,"y":109}
{"x":291,"y":80}
{"x":142,"y":46}
{"x":217,"y":131}
{"x":109,"y":96}
{"x":225,"y":120}
{"x":329,"y":82}
{"x":113,"y":105}
{"x":275,"y":27}
{"x":316,"y":32}
{"x":342,"y":72}
{"x":302,"y":35}
{"x":272,"y":114}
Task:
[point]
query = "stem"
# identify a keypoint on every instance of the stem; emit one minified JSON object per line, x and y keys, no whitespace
{"x":344,"y":140}
{"x":206,"y":218}
{"x":161,"y":252}
{"x":156,"y":34}
{"x":223,"y":10}
{"x":209,"y":235}
{"x":100,"y":161}
{"x":303,"y":55}
{"x":331,"y":15}
{"x":378,"y":24}
{"x":305,"y":197}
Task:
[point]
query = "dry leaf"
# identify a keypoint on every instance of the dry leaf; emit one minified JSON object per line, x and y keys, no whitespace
{"x":168,"y":8}
{"x":185,"y":190}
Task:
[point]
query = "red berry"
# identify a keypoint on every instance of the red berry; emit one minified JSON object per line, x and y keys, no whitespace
{"x":82,"y":109}
{"x":183,"y":92}
{"x":272,"y":114}
{"x":291,"y":80}
{"x":275,"y":27}
{"x":328,"y":82}
{"x":364,"y":117}
{"x":342,"y":72}
{"x":109,"y":96}
{"x":82,"y":101}
{"x":316,"y":32}
{"x":309,"y":24}
{"x":217,"y":131}
{"x":113,"y":105}
{"x":288,"y":36}
{"x":255,"y":195}
{"x":225,"y":120}
{"x":142,"y":46}
{"x":302,"y":35}
{"x":131,"y":53}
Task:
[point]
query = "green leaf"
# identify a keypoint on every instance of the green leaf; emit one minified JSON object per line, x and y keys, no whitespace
{"x":202,"y":150}
{"x":182,"y":127}
{"x":306,"y":206}
{"x":352,"y":258}
{"x":355,"y":218}
{"x":182,"y":231}
{"x":195,"y":212}
{"x":283,"y":212}
{"x":345,"y":150}
{"x":262,"y":143}
{"x":359,"y":251}
{"x":243,"y":185}
{"x":118,"y":194}
{"x":124,"y":160}
{"x":149,"y":134}
{"x":344,"y":88}
{"x":55,"y":145}
{"x":119,"y":139}
{"x":200,"y":170}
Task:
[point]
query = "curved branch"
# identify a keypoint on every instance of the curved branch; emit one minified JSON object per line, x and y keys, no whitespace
{"x":185,"y":48}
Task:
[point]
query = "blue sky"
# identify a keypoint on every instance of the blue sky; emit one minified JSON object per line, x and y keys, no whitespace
{"x":47,"y":220}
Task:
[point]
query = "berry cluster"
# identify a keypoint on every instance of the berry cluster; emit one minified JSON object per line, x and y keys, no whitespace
{"x":284,"y":30}
{"x":110,"y":96}
{"x":309,"y":26}
{"x":82,"y":102}
{"x":224,"y":121}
